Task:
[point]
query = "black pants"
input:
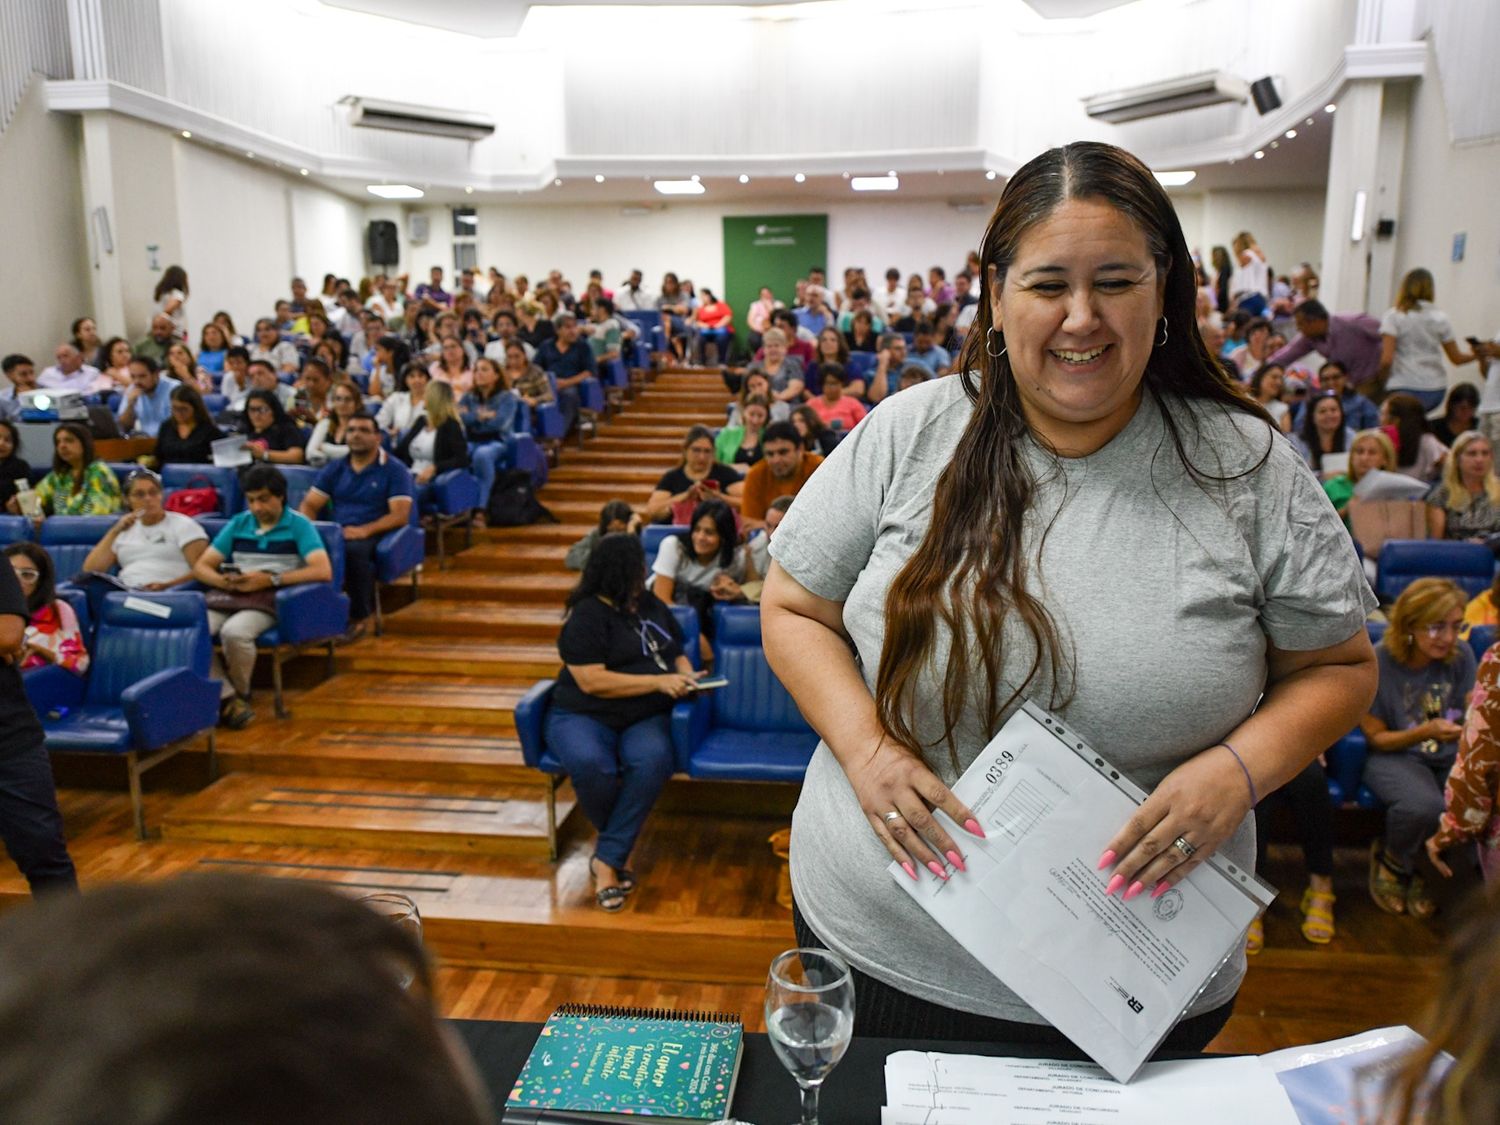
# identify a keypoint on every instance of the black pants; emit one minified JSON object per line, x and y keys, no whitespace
{"x":359,"y":576}
{"x":1307,"y":796}
{"x":30,"y":822}
{"x":883,"y":1011}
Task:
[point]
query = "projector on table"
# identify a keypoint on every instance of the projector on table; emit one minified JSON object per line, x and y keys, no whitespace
{"x":45,"y":405}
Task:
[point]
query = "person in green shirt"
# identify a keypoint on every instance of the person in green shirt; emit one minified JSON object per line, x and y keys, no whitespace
{"x":740,"y":445}
{"x":1370,"y":450}
{"x":78,"y":485}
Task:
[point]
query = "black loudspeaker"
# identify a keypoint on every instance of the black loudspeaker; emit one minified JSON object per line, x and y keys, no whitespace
{"x":1263,"y":93}
{"x":1385,"y":228}
{"x":384,"y":248}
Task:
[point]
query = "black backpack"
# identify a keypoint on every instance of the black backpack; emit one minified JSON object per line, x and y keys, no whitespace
{"x":513,"y":502}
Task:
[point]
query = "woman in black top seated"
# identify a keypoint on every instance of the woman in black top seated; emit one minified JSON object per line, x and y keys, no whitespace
{"x":272,"y":434}
{"x":699,"y":477}
{"x":12,"y":468}
{"x":188,"y":436}
{"x":610,"y":719}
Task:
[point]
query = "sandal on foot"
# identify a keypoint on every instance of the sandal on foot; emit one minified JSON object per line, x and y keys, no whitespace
{"x":1418,"y":904}
{"x":1387,"y":887}
{"x":609,"y":898}
{"x":1255,"y":937}
{"x":627,"y":879}
{"x":1317,"y":916}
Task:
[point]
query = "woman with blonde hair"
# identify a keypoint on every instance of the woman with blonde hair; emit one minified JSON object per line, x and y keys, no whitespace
{"x":1370,"y":450}
{"x":435,"y":442}
{"x":1414,"y":337}
{"x":1465,"y":504}
{"x":1412,"y":728}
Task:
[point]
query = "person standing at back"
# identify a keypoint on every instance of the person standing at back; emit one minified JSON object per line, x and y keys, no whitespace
{"x":1414,"y":337}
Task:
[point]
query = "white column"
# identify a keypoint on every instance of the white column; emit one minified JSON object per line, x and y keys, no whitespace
{"x":104,"y":228}
{"x":1352,"y":175}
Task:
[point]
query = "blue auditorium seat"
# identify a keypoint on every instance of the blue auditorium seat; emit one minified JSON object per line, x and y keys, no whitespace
{"x":1481,"y":637}
{"x":146,"y":691}
{"x":1403,"y":561}
{"x":399,"y":553}
{"x":69,"y":539}
{"x":652,"y":537}
{"x":15,"y":529}
{"x":299,"y":479}
{"x":451,"y":499}
{"x":861,"y":364}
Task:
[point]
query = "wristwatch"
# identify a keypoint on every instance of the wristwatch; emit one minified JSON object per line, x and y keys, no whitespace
{"x":276,"y":581}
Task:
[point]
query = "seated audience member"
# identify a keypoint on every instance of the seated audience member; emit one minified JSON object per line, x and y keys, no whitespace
{"x":891,"y":301}
{"x":258,"y":376}
{"x":703,"y":565}
{"x":715,"y":323}
{"x":859,"y":302}
{"x":14,"y":471}
{"x":122,"y":1006}
{"x":1306,"y":798}
{"x":814,"y":315}
{"x":1370,"y":450}
{"x":391,"y":357}
{"x":1360,"y":412}
{"x":265,"y":547}
{"x":535,"y":329}
{"x":1267,"y":385}
{"x":270,"y":432}
{"x":1471,"y":798}
{"x":452,"y":366}
{"x":114,"y":355}
{"x":527,"y":381}
{"x":800,"y":344}
{"x":609,"y":723}
{"x":1254,"y":353}
{"x":863,"y":336}
{"x":187,"y":437}
{"x":372,"y":494}
{"x":270,"y":347}
{"x":1426,"y":673}
{"x":1418,"y":453}
{"x":488,"y":413}
{"x":213,"y":347}
{"x":155,"y":549}
{"x":740,"y":445}
{"x":1466,"y":503}
{"x":759,"y":545}
{"x":1323,"y":431}
{"x":226,"y":322}
{"x":836,"y":403}
{"x":816,"y":437}
{"x":435,"y":443}
{"x":148,"y":402}
{"x":78,"y":485}
{"x":569,"y":361}
{"x":614,"y":517}
{"x":781,"y":472}
{"x":784,"y":371}
{"x":70,"y":372}
{"x":605,"y":333}
{"x":832,"y":352}
{"x":235,"y":383}
{"x":890,"y":361}
{"x":757,"y":385}
{"x":156,"y":342}
{"x":431,"y":292}
{"x":84,"y":335}
{"x":329,"y":440}
{"x":926,"y":351}
{"x":758,"y":317}
{"x":402,"y":407}
{"x":675,"y":306}
{"x":21,"y":373}
{"x":696,"y":479}
{"x":181,"y":366}
{"x":312,"y":390}
{"x":1460,"y":413}
{"x":52,"y":634}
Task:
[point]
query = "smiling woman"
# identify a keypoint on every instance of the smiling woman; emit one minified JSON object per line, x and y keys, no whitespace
{"x":956,"y":542}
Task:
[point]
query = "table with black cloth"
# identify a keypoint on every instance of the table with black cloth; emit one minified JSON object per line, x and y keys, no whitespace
{"x":766,"y":1093}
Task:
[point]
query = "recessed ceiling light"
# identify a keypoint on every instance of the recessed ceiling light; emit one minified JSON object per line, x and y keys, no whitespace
{"x":875,"y":183}
{"x":1330,"y":107}
{"x":557,"y":182}
{"x":1260,"y":154}
{"x":394,"y":191}
{"x":1309,"y":121}
{"x":1275,"y":144}
{"x":846,"y":175}
{"x":694,"y":178}
{"x":679,"y":187}
{"x":891,"y":174}
{"x":1291,"y":134}
{"x":598,"y":178}
{"x":468,"y":191}
{"x":989,"y":175}
{"x":744,"y":179}
{"x":302,"y":171}
{"x":1175,"y":179}
{"x":188,"y":133}
{"x":251,"y":155}
{"x":800,"y":178}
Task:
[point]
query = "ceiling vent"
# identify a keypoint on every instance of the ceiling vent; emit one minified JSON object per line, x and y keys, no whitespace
{"x":1193,"y":92}
{"x":372,"y":113}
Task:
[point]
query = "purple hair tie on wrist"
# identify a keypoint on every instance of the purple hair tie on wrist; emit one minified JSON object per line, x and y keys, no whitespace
{"x":1250,"y":781}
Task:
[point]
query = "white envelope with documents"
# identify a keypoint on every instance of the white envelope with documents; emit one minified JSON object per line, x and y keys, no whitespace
{"x":1112,"y":976}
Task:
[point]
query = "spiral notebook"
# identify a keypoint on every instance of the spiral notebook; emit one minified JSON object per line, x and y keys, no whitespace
{"x":601,"y":1064}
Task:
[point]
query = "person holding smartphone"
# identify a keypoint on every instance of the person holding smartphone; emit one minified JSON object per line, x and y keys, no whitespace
{"x":699,"y":477}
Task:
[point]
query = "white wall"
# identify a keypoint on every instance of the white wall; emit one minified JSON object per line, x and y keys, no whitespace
{"x":1287,"y":222}
{"x":45,"y":282}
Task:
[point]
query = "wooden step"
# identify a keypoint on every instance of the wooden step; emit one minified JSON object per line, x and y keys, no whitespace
{"x":567,"y":510}
{"x":452,"y":656}
{"x":479,"y":620}
{"x":648,"y":427}
{"x":626,"y":424}
{"x":355,"y":812}
{"x":471,"y":586}
{"x":608,"y":446}
{"x":599,"y":493}
{"x":625,"y":458}
{"x":513,"y":558}
{"x":430,"y":752}
{"x":377,"y":697}
{"x":562,"y":534}
{"x":601,"y":474}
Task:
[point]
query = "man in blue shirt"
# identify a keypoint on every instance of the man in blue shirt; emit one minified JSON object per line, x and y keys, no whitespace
{"x":814,"y":315}
{"x":570,"y":361}
{"x":372,"y":495}
{"x":1359,"y":412}
{"x":148,"y":403}
{"x":926,"y":351}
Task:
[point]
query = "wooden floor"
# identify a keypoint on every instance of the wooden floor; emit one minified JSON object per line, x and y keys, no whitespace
{"x":403,"y":772}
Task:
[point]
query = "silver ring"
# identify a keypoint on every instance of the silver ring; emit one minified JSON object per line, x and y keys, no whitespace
{"x":1184,"y":847}
{"x":892,"y":816}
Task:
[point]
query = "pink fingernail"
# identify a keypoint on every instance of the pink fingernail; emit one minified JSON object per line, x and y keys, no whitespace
{"x":973,"y":828}
{"x":1105,"y":860}
{"x":910,"y":870}
{"x":1161,"y":888}
{"x":957,"y":861}
{"x":937,"y":869}
{"x":1115,"y":884}
{"x":1135,"y":889}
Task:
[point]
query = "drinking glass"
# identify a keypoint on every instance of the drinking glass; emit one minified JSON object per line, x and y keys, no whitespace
{"x":809,"y":1018}
{"x":401,"y":912}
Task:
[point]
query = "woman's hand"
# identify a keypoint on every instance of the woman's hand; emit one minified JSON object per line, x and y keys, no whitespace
{"x":895,"y":780}
{"x":725,"y":588}
{"x":1202,"y":801}
{"x":676,"y":684}
{"x":124,"y":523}
{"x":1435,"y":855}
{"x":1440,"y":730}
{"x":426,"y":473}
{"x":31,"y":648}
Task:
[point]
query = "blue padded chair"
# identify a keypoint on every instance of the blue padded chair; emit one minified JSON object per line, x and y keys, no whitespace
{"x":147,"y":689}
{"x":547,"y":427}
{"x":69,"y":539}
{"x":452,"y":500}
{"x":1403,"y":561}
{"x":616,"y":379}
{"x":750,"y":730}
{"x":215,"y":402}
{"x":1346,"y":757}
{"x":861,"y":364}
{"x":299,"y":480}
{"x":78,"y":601}
{"x":225,"y":480}
{"x":590,"y":398}
{"x":531,"y":723}
{"x":652,"y":537}
{"x":399,"y":553}
{"x":1481,"y":637}
{"x":15,"y":529}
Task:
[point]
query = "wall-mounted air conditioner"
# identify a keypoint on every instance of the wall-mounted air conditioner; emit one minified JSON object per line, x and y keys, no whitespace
{"x":1173,"y":96}
{"x":373,"y":113}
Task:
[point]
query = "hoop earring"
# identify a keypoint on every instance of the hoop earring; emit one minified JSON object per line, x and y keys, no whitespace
{"x":1163,"y":341}
{"x":1003,"y":347}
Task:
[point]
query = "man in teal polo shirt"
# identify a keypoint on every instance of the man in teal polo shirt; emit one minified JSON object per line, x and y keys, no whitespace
{"x":372,"y":495}
{"x":259,"y":551}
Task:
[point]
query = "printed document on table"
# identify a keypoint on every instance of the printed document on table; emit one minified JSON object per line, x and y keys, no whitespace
{"x":1113,"y":976}
{"x":940,"y":1089}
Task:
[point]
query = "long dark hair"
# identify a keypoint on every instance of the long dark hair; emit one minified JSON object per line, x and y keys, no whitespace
{"x":280,"y":420}
{"x":173,"y":277}
{"x":616,"y":570}
{"x":1309,"y":431}
{"x":723,"y":517}
{"x":183,"y":392}
{"x":400,"y":354}
{"x":85,"y":439}
{"x":970,"y":572}
{"x":612,"y":511}
{"x":1410,"y":417}
{"x":46,"y":574}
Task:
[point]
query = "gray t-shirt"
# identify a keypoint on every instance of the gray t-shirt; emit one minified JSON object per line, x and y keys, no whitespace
{"x":1402,"y":700}
{"x":1164,"y":592}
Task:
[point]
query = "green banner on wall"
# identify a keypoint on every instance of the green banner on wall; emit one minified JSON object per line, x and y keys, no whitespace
{"x":769,"y":250}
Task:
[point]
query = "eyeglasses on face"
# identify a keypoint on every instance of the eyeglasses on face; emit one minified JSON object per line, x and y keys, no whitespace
{"x":1441,"y":628}
{"x":28,"y":575}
